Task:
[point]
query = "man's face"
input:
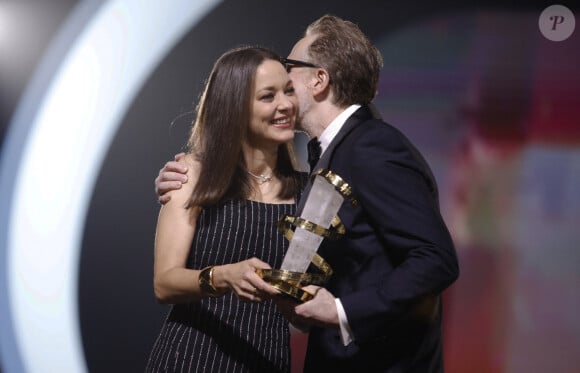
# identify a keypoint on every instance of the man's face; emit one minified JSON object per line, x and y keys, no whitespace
{"x":302,"y":79}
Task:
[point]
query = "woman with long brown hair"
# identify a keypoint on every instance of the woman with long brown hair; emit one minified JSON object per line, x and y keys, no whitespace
{"x":221,"y":225}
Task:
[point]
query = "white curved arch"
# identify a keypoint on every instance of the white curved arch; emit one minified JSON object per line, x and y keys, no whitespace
{"x":50,"y":161}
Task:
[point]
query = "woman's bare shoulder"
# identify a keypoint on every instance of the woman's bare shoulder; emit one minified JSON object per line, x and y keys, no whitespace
{"x":192,"y":163}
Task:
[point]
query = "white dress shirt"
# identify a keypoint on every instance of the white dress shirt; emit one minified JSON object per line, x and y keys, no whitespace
{"x":325,"y":139}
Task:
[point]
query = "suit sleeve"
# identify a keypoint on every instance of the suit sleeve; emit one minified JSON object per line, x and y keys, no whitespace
{"x":394,"y":187}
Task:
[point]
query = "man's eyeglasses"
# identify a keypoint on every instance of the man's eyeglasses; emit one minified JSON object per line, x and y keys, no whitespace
{"x":289,"y":64}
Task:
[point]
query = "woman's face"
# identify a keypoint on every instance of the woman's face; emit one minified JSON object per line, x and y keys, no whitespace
{"x":273,"y":106}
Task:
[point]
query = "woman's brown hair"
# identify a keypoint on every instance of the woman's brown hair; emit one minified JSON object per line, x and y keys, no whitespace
{"x":221,"y":125}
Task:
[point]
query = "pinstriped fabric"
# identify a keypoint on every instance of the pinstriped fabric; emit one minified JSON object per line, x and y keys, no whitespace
{"x":223,"y":334}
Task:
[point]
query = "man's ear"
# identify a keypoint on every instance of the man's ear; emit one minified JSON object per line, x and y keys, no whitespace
{"x":321,"y":82}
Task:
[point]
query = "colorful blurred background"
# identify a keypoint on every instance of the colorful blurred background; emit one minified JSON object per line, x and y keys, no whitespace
{"x":491,"y":102}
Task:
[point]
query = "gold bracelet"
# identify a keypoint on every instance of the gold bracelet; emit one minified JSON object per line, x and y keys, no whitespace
{"x":206,"y":283}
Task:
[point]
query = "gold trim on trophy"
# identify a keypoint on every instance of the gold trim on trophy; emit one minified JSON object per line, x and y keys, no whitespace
{"x":292,"y":290}
{"x":321,"y":264}
{"x":300,"y":278}
{"x":294,"y":278}
{"x":340,"y":185}
{"x":333,"y":233}
{"x":290,"y":282}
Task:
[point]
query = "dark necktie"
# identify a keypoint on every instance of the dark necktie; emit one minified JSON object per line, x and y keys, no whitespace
{"x":314,"y":151}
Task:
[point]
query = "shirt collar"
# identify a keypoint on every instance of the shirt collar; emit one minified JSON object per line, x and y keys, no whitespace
{"x":330,"y":132}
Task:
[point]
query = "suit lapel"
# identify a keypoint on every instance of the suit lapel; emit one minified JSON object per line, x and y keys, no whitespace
{"x":362,"y":114}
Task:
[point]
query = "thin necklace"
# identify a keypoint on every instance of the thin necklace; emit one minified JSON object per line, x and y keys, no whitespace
{"x":262,"y":178}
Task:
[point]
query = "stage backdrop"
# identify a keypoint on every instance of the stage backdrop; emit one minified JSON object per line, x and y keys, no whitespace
{"x":96,"y":96}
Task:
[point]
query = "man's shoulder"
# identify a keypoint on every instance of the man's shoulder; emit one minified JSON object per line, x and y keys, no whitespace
{"x":369,"y":118}
{"x":376,"y":127}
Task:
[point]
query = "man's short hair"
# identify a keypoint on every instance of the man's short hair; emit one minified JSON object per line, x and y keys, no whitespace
{"x":352,"y":61}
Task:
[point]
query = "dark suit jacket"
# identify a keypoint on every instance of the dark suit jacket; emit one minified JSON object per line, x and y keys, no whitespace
{"x":394,"y":261}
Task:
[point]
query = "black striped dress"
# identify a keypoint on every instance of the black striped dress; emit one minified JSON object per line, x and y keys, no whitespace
{"x":224,"y":334}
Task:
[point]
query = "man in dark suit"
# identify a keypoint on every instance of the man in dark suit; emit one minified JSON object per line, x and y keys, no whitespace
{"x":381,"y":310}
